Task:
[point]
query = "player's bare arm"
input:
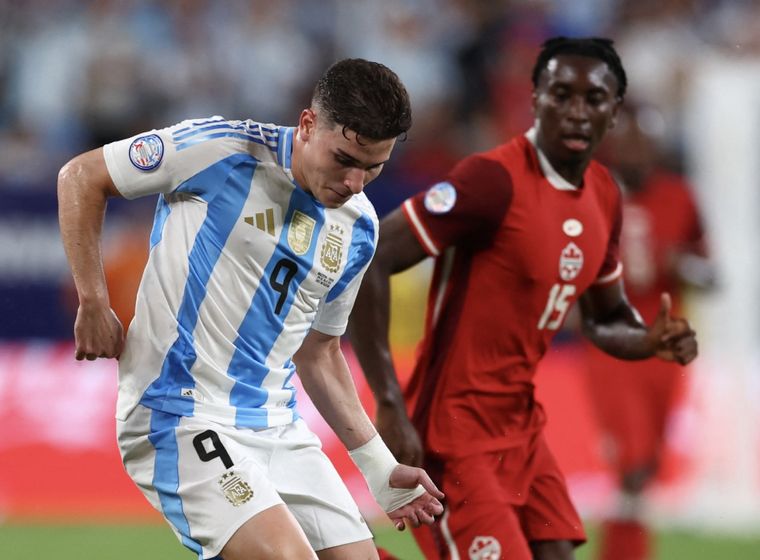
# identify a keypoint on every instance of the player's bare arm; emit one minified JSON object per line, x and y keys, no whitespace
{"x":398,"y":250}
{"x":84,"y":185}
{"x":615,"y":327}
{"x":405,"y":493}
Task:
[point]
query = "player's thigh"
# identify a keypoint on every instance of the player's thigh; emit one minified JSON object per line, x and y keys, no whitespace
{"x":205,"y":482}
{"x":314,"y":492}
{"x":283,"y":538}
{"x":362,"y":550}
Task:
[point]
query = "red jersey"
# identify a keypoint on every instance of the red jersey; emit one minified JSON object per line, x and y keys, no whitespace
{"x":515,"y":246}
{"x":659,"y":219}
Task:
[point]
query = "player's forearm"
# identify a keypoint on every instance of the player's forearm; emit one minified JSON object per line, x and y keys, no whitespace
{"x":326,"y":378}
{"x":621,"y":335}
{"x":368,"y":329}
{"x":81,"y":210}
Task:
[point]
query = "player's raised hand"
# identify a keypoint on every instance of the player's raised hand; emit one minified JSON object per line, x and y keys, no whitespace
{"x":674,"y":339}
{"x":97,"y":333}
{"x":421,"y":509}
{"x":399,"y":434}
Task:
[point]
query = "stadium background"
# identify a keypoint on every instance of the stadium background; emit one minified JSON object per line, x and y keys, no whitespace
{"x":77,"y":74}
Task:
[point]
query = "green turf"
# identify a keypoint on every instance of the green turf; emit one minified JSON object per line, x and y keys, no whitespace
{"x":130,"y":542}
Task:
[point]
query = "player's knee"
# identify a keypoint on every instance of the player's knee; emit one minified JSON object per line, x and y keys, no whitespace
{"x":281,"y":550}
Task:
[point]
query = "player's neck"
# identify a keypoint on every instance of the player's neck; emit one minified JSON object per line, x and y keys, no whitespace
{"x":572,"y":172}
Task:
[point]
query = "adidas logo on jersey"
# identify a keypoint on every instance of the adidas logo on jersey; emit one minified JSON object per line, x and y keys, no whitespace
{"x":262,"y":220}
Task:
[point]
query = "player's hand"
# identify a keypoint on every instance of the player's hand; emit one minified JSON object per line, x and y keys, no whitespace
{"x":399,"y":434}
{"x":424,"y":507}
{"x":97,"y":333}
{"x":673,"y":338}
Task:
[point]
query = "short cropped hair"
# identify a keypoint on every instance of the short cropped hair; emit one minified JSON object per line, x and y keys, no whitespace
{"x":363,"y":96}
{"x":593,"y":47}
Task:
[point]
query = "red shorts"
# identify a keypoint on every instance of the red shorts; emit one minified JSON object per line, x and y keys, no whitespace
{"x":632,"y":400}
{"x":498,"y":502}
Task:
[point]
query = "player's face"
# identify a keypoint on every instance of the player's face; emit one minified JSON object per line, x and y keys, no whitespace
{"x":575,"y":103}
{"x":334,"y":166}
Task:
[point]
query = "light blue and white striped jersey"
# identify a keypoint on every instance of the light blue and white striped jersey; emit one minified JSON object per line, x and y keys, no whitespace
{"x":243,"y":263}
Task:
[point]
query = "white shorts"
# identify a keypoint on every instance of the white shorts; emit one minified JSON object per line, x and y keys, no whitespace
{"x":208,"y":479}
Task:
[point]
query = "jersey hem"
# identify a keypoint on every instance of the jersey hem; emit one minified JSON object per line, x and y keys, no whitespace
{"x":418,"y":229}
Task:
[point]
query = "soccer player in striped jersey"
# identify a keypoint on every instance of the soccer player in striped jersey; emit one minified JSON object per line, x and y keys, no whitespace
{"x":518,"y":233}
{"x":260,"y":240}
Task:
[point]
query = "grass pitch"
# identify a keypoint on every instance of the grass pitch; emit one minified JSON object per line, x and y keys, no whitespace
{"x":149,"y":542}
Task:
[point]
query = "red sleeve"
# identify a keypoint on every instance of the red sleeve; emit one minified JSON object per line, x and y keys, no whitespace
{"x":612,"y":268}
{"x":466,"y":208}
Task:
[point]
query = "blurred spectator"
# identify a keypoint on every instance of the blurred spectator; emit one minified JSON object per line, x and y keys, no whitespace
{"x":663,"y":249}
{"x":660,"y":41}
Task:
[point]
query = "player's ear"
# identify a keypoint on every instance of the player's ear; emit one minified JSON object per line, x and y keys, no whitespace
{"x":615,"y":110}
{"x":307,"y":122}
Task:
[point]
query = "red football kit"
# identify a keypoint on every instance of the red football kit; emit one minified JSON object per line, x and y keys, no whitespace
{"x":515,"y":246}
{"x":633,"y":404}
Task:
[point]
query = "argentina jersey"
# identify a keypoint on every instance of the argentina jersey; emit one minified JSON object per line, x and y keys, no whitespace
{"x":243,"y":262}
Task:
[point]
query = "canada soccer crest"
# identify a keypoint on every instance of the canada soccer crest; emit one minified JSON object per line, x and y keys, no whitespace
{"x":570,"y":262}
{"x":485,"y":548}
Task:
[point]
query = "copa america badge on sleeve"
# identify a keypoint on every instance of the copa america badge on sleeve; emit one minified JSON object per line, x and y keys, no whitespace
{"x":146,"y":152}
{"x":440,"y":198}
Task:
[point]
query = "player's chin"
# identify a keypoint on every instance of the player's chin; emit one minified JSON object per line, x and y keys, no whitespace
{"x":331,"y":199}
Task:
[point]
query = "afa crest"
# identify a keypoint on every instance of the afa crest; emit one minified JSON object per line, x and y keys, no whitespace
{"x":300,"y":232}
{"x":332,"y":249}
{"x":235,"y":489}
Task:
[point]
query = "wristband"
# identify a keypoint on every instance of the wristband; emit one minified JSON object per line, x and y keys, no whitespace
{"x":376,"y":463}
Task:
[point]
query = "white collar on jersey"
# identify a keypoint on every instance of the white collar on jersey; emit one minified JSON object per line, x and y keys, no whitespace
{"x":555,"y":179}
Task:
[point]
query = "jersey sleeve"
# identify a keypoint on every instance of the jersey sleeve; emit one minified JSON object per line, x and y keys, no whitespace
{"x":612,"y":267}
{"x":335,"y":308}
{"x":468,"y":207}
{"x":151,"y":163}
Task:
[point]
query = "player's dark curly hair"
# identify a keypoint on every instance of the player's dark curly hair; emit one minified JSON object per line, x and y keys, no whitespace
{"x":593,"y":47}
{"x":363,"y":96}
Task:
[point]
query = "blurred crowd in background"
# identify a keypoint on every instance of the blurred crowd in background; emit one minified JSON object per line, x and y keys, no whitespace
{"x":75,"y":74}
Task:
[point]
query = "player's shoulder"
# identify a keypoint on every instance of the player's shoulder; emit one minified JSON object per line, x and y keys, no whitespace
{"x":260,"y":140}
{"x":601,"y":179}
{"x":483,"y":168}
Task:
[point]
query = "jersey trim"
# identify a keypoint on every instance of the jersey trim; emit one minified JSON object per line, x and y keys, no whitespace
{"x":285,"y":146}
{"x":419,"y":230}
{"x":612,"y":276}
{"x":448,"y":537}
{"x":447,"y":265}
{"x":555,"y":179}
{"x":197,"y":134}
{"x":159,"y":220}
